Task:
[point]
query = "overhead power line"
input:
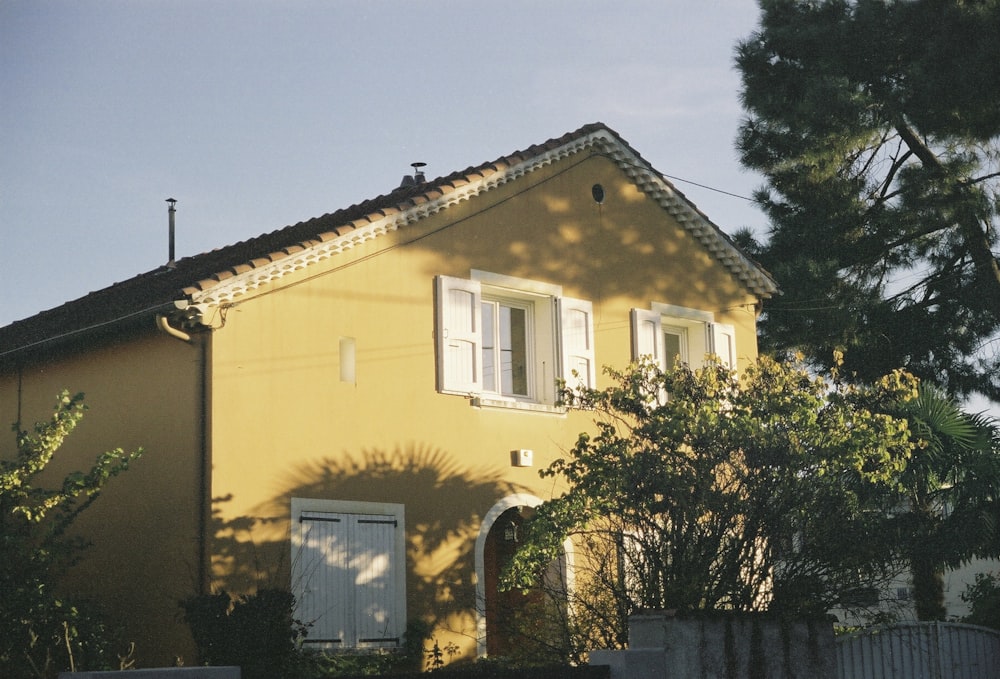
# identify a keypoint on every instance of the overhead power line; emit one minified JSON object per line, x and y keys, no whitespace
{"x":710,"y":188}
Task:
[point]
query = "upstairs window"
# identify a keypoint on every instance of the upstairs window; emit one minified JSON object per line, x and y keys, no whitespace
{"x":670,"y":335}
{"x":508,"y":340}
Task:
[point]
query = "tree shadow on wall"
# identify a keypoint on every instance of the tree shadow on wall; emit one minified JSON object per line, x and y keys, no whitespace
{"x":444,"y":506}
{"x":557,"y":232}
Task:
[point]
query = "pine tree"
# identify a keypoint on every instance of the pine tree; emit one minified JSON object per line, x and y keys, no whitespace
{"x":876,"y":126}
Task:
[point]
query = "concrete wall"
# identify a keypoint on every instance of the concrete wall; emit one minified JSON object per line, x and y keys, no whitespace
{"x":732,"y":647}
{"x":160,"y":673}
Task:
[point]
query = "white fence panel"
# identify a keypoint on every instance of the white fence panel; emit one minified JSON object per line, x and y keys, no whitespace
{"x":923,"y":650}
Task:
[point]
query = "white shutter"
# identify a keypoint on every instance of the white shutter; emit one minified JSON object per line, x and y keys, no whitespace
{"x":647,"y":336}
{"x":324,"y":585}
{"x":374,"y":566}
{"x":576,"y":342}
{"x":347,"y":579}
{"x":724,"y":344}
{"x":459,"y":335}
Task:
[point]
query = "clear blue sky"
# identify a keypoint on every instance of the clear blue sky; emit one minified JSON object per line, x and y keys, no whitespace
{"x":257,"y":114}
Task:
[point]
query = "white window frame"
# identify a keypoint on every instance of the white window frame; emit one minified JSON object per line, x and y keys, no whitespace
{"x":359,"y":600}
{"x":703,"y":336}
{"x":561,"y":337}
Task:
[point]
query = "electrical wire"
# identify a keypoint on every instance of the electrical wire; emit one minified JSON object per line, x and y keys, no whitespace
{"x":711,"y":188}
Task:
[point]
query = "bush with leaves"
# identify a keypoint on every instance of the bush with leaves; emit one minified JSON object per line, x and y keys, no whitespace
{"x":703,"y":492}
{"x":256,"y":632}
{"x":259,"y":633}
{"x":41,"y":631}
{"x":983,"y":597}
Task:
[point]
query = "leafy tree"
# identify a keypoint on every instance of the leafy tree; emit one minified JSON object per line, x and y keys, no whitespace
{"x":946,"y":509}
{"x":876,"y":126}
{"x":42,"y":632}
{"x":698,"y":492}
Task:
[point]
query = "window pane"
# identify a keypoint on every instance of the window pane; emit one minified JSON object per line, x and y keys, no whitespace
{"x":489,"y":347}
{"x":672,"y":349}
{"x":513,"y":351}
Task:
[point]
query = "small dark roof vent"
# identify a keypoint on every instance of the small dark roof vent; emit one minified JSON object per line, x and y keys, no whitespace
{"x":416,"y":178}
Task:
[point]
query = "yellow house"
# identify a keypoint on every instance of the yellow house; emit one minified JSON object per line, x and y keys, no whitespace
{"x":357,"y":407}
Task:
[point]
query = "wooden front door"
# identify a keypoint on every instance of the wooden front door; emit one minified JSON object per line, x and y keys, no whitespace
{"x":502,"y":608}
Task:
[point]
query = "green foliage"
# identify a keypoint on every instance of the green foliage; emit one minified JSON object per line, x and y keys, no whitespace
{"x":259,"y":633}
{"x":504,"y":668}
{"x":438,"y":657}
{"x":318,"y":665}
{"x":876,"y":127}
{"x":984,"y":598}
{"x":41,"y":631}
{"x":699,"y":492}
{"x":945,"y":512}
{"x":256,"y":632}
{"x":541,"y":629}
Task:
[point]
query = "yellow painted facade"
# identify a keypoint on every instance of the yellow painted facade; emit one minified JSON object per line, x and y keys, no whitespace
{"x":145,"y":527}
{"x":322,"y":384}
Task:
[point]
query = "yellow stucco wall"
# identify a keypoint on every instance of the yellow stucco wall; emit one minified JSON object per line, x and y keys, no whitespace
{"x":284,"y":424}
{"x":145,"y":526}
{"x":279,"y":422}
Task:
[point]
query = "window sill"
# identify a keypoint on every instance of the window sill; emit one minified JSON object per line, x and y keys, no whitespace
{"x":508,"y":404}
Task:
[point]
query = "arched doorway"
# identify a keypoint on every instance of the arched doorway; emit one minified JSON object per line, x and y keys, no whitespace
{"x":512,"y":621}
{"x":491,"y":636}
{"x":503,"y":609}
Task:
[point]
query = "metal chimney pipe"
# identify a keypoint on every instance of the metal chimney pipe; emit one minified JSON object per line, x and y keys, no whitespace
{"x":170,"y":214}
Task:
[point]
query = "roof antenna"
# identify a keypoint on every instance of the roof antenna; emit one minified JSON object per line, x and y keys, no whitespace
{"x":170,"y":214}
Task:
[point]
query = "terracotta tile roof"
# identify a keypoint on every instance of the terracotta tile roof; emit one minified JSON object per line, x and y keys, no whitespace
{"x":136,"y":300}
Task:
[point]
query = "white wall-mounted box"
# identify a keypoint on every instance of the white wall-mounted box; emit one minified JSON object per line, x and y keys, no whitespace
{"x":521,"y":457}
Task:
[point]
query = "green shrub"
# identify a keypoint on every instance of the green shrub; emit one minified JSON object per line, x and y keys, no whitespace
{"x":984,"y":598}
{"x":42,"y":632}
{"x":53,"y":634}
{"x":257,"y":632}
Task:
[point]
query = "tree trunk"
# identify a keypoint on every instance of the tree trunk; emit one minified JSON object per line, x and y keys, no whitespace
{"x":928,"y":587}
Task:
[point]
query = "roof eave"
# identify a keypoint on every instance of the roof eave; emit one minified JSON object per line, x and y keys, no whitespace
{"x":220,"y":277}
{"x":28,"y":348}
